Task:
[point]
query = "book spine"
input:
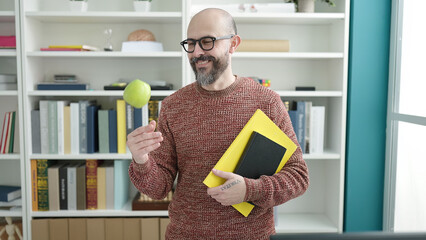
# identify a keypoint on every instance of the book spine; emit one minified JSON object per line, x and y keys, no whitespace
{"x":42,"y":186}
{"x":44,"y":129}
{"x":65,"y":87}
{"x":103,"y":131}
{"x":121,"y":126}
{"x":3,"y":132}
{"x":53,"y":127}
{"x":81,"y":187}
{"x":3,"y":149}
{"x":54,"y":187}
{"x":34,"y":195}
{"x":63,"y":188}
{"x":137,"y":121}
{"x":109,"y":172}
{"x":75,"y":128}
{"x":60,"y":123}
{"x":35,"y":131}
{"x":67,"y":130}
{"x":300,"y":134}
{"x":145,"y":115}
{"x":72,"y":187}
{"x":91,"y":184}
{"x":92,"y":129}
{"x":12,"y":132}
{"x":101,"y":187}
{"x":121,"y":183}
{"x":112,"y":130}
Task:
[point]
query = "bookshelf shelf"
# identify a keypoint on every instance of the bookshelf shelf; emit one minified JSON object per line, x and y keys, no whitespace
{"x":7,"y":53}
{"x":290,"y":18}
{"x":289,"y":55}
{"x":100,"y":93}
{"x":11,"y":157}
{"x":327,"y":155}
{"x":105,"y":17}
{"x":8,"y":93}
{"x":10,"y":213}
{"x":7,"y":16}
{"x":108,"y":156}
{"x":310,"y":93}
{"x":304,"y":223}
{"x":96,"y":54}
{"x":100,"y":213}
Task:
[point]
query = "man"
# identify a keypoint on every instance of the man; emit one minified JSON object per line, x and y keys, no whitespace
{"x":196,"y":126}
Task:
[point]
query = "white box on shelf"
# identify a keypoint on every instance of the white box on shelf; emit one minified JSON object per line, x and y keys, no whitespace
{"x":142,"y":46}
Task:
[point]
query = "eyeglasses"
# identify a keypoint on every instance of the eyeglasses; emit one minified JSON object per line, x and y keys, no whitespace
{"x":206,"y":43}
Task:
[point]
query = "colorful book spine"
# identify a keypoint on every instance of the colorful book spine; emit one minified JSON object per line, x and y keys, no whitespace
{"x":121,"y":126}
{"x":91,"y":184}
{"x":6,"y":133}
{"x":112,"y":129}
{"x":103,"y":131}
{"x":12,"y":132}
{"x":92,"y":129}
{"x":34,"y":195}
{"x":42,"y":185}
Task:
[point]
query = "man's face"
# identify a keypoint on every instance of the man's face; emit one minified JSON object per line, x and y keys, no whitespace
{"x":208,"y":66}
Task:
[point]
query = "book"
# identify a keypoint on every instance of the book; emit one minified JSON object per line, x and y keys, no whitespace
{"x":260,"y":123}
{"x":8,"y":42}
{"x":91,"y":183}
{"x":72,"y":186}
{"x":62,"y":86}
{"x":248,"y":45}
{"x":95,"y":228}
{"x":35,"y":131}
{"x":39,"y":229}
{"x":103,"y":131}
{"x":82,"y":47}
{"x":150,"y":228}
{"x":317,"y":129}
{"x":121,"y":183}
{"x":67,"y":129}
{"x":42,"y":184}
{"x":5,"y":133}
{"x":261,"y":156}
{"x":75,"y":127}
{"x":131,"y":229}
{"x":63,"y":187}
{"x":92,"y":129}
{"x":109,"y":184}
{"x":300,"y":131}
{"x":112,"y":130}
{"x":83,"y":104}
{"x":9,"y":193}
{"x":44,"y":129}
{"x":58,"y":228}
{"x":60,"y":118}
{"x":54,"y":186}
{"x":52,"y":120}
{"x":114,"y":228}
{"x":81,"y":186}
{"x":121,"y":126}
{"x":12,"y":133}
{"x":101,"y":186}
{"x":34,"y":197}
{"x":60,"y":49}
{"x":77,"y":228}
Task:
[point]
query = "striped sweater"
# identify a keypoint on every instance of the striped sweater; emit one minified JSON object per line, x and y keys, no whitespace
{"x":198,"y":126}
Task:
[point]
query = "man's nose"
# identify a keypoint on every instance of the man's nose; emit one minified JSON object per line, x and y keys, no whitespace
{"x":198,"y":51}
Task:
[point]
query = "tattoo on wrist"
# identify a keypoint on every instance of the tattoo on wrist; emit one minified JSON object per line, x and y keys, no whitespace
{"x":229,"y":185}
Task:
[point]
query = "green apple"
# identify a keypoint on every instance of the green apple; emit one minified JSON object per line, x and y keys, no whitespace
{"x":137,"y":93}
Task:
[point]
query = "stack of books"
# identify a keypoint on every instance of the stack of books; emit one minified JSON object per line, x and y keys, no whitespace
{"x":63,"y":82}
{"x":70,"y":48}
{"x":8,"y":133}
{"x":8,"y":82}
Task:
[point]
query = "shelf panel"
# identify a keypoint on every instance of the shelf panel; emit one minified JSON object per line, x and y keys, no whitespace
{"x":289,"y":55}
{"x":125,"y":212}
{"x":107,"y":156}
{"x":7,"y":53}
{"x":7,"y":16}
{"x":8,"y":93}
{"x":289,"y":18}
{"x":13,"y":213}
{"x":12,"y":156}
{"x":327,"y":155}
{"x":85,"y":54}
{"x":310,"y":93}
{"x":106,"y":17}
{"x":154,"y":93}
{"x":304,"y":223}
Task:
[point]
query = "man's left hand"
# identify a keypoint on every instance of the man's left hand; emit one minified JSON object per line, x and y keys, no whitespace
{"x":231,"y":192}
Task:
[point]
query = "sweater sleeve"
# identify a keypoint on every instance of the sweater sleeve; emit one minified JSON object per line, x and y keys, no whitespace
{"x":292,"y":181}
{"x":155,"y":178}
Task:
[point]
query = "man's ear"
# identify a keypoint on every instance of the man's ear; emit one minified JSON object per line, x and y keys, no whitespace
{"x":236,"y":40}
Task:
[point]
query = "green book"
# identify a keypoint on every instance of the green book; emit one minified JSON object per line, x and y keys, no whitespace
{"x":12,"y":132}
{"x":42,"y":186}
{"x":103,"y":131}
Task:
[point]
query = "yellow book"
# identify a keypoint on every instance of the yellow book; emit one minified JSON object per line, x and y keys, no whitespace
{"x":260,"y":123}
{"x":121,"y":126}
{"x":101,"y":182}
{"x":83,"y":47}
{"x":34,"y":197}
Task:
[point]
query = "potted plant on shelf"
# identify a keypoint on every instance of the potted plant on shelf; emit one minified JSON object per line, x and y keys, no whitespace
{"x":78,"y":5}
{"x":308,"y":5}
{"x":142,"y":5}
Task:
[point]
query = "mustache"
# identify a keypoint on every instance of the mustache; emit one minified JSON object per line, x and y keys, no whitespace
{"x":202,"y":58}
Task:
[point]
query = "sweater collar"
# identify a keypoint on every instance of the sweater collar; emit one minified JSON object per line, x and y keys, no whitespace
{"x":212,"y":94}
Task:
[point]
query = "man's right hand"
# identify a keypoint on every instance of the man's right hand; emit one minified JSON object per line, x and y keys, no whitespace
{"x":142,"y":141}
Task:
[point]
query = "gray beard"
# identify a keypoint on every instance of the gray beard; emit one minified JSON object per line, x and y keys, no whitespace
{"x":203,"y":78}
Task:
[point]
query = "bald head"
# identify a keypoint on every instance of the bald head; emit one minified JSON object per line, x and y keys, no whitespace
{"x":218,"y":20}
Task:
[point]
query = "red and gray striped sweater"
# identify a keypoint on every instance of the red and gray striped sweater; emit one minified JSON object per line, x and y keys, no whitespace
{"x":198,"y":126}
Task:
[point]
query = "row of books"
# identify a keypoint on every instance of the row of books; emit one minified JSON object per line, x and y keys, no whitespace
{"x":75,"y":185}
{"x":60,"y":127}
{"x":7,"y":139}
{"x":99,"y":228}
{"x":309,"y":124}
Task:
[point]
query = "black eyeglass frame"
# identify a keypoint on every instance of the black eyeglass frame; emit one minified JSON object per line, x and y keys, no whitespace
{"x":201,"y":39}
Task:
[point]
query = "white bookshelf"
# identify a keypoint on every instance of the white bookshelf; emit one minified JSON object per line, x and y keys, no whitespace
{"x":12,"y":165}
{"x":318,"y":57}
